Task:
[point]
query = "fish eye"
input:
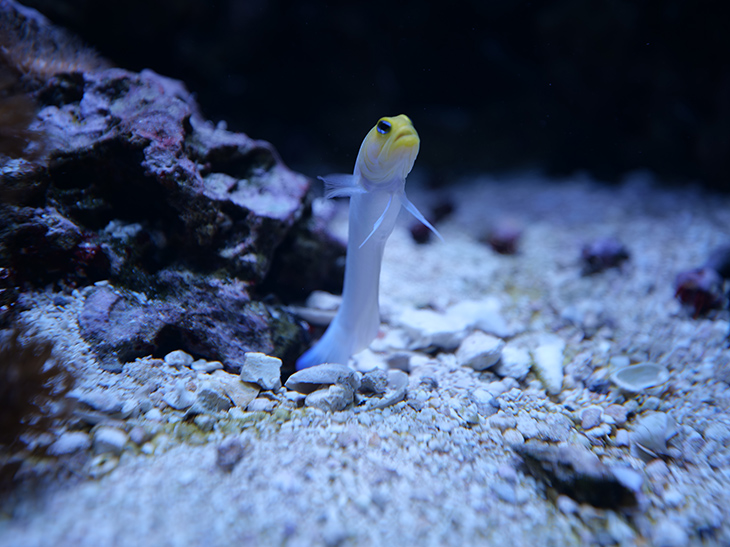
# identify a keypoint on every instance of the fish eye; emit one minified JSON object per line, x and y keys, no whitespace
{"x":383,"y":127}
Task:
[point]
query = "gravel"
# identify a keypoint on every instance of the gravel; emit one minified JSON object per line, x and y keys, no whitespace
{"x":440,"y":465}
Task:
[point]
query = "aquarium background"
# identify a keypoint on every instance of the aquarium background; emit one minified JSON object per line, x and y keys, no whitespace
{"x":604,"y":87}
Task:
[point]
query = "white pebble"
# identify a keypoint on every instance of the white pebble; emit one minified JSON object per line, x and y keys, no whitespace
{"x":479,"y":351}
{"x":549,"y":363}
{"x":262,"y":369}
{"x":109,"y":439}
{"x":69,"y":443}
{"x":178,"y":359}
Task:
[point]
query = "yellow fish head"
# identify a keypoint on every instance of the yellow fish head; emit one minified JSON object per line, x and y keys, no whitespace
{"x":388,"y":152}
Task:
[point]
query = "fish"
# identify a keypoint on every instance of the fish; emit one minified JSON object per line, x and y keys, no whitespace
{"x":376,"y":189}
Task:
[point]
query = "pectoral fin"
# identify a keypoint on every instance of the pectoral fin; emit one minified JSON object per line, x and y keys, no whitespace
{"x":378,"y":222}
{"x":416,"y":213}
{"x":341,"y":185}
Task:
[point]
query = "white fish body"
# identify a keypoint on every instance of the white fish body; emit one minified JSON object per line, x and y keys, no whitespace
{"x":377,"y":192}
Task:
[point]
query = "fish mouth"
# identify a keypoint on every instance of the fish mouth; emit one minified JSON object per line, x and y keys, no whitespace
{"x":406,"y":138}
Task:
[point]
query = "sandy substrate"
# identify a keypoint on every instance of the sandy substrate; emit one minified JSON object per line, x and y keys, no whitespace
{"x":439,"y":468}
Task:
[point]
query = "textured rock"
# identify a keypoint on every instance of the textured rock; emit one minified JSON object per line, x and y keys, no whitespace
{"x":577,"y":472}
{"x":212,"y":399}
{"x":262,"y":369}
{"x":333,"y":399}
{"x":241,"y":393}
{"x":218,"y":320}
{"x":133,"y":186}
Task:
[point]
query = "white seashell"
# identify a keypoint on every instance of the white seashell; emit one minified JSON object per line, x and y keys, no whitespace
{"x":310,"y":379}
{"x":397,"y":391}
{"x":650,"y":435}
{"x":637,"y":378}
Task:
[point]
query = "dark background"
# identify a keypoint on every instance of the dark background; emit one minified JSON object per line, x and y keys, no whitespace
{"x":602,"y":86}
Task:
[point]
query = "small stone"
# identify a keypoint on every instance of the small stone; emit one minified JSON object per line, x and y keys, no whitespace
{"x":599,"y":431}
{"x":238,"y":391}
{"x":512,"y":437}
{"x":230,"y":452}
{"x":507,"y":472}
{"x":375,"y":381}
{"x":335,"y":398}
{"x":590,"y":417}
{"x":295,"y":397}
{"x":548,"y":363}
{"x":673,"y":497}
{"x":178,"y":359}
{"x":603,"y":253}
{"x":429,"y":383}
{"x":485,"y":315}
{"x":527,"y":426}
{"x":505,"y":492}
{"x":310,"y":379}
{"x":514,"y":363}
{"x":618,"y":413}
{"x":621,"y":438}
{"x":322,"y":300}
{"x":154,"y":414}
{"x":479,"y":351}
{"x":629,"y":478}
{"x":428,"y":328}
{"x":205,"y":422}
{"x":69,"y":443}
{"x":502,"y":422}
{"x":179,"y":397}
{"x":201,"y":365}
{"x":139,"y":435}
{"x":399,"y":361}
{"x":567,"y":505}
{"x":719,"y":432}
{"x":102,"y":400}
{"x":668,"y":533}
{"x":109,"y":439}
{"x":261,"y":404}
{"x":213,"y":400}
{"x":262,"y":369}
{"x":485,"y":402}
{"x":367,"y":360}
{"x":657,"y":471}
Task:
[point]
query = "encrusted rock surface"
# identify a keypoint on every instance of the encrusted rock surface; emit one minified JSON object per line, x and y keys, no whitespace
{"x":124,"y":181}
